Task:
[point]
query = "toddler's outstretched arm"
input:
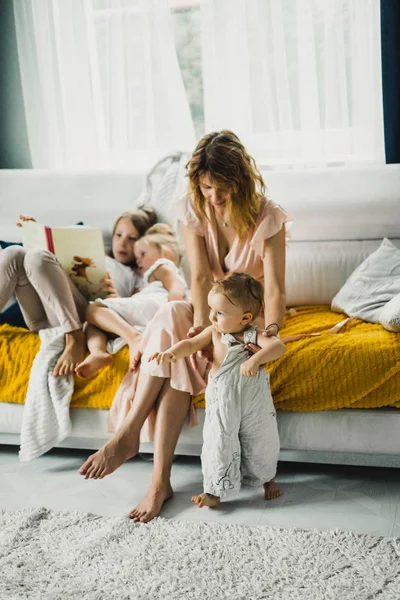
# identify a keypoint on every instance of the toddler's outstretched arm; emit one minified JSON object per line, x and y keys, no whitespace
{"x":185,"y":348}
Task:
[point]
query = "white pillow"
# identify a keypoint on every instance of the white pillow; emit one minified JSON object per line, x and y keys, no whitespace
{"x":390,"y":315}
{"x":372,"y":285}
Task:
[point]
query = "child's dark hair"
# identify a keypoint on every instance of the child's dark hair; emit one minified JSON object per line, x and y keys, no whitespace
{"x":243,"y":290}
{"x":142,"y":219}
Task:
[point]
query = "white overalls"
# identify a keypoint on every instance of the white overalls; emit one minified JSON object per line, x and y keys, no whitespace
{"x":240,"y":437}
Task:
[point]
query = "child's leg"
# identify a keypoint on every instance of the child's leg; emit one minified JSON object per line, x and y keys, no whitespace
{"x":259,"y":440}
{"x":63,"y":303}
{"x":98,"y":356}
{"x":221,"y":450}
{"x":13,"y":278}
{"x":108,"y":320}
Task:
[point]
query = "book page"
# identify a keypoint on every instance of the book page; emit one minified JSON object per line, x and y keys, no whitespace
{"x":33,"y":235}
{"x":80,"y":251}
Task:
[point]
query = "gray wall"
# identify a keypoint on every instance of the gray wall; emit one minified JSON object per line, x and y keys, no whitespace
{"x":14,"y":146}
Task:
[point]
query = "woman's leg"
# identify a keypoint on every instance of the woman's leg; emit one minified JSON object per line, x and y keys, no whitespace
{"x":125,"y":442}
{"x":173,"y":406}
{"x":98,"y":358}
{"x":64,"y":305}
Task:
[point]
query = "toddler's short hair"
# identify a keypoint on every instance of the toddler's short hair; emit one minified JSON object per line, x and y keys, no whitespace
{"x":243,"y":290}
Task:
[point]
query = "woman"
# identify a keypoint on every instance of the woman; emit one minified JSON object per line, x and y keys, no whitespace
{"x":228,"y":225}
{"x":48,"y":297}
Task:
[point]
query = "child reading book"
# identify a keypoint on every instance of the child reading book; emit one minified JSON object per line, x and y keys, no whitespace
{"x":79,"y":250}
{"x":240,"y":437}
{"x":49,"y":298}
{"x":157,"y":257}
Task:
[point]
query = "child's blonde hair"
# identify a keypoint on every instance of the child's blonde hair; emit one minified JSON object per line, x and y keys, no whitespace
{"x":243,"y":290}
{"x":164,"y":238}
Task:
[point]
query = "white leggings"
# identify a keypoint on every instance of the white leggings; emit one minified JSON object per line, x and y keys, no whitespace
{"x":46,"y":295}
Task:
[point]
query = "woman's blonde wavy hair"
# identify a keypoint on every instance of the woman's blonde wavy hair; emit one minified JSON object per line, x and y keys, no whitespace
{"x":164,"y":238}
{"x":224,"y":158}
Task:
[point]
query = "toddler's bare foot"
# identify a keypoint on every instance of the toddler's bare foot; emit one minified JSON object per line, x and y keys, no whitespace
{"x":94,"y":362}
{"x":206,"y":500}
{"x":108,"y":459}
{"x":74,"y":353}
{"x":271,"y":490}
{"x":133,"y":340}
{"x":152,"y":503}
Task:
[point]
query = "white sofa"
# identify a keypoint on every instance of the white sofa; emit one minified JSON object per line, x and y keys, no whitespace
{"x":341,"y":215}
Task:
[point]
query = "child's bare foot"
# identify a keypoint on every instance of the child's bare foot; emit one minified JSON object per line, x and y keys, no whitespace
{"x":271,"y":490}
{"x":133,"y":340}
{"x":94,"y":362}
{"x":152,"y":503}
{"x":108,"y":459}
{"x":206,"y":500}
{"x":74,"y":353}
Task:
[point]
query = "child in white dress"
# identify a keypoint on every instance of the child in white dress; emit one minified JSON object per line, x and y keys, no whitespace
{"x":157,"y":257}
{"x":240,"y":437}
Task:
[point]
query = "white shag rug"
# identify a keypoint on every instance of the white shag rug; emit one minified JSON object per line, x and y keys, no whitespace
{"x":70,"y":555}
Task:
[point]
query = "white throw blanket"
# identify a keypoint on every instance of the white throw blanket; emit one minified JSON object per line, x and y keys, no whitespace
{"x":46,"y":421}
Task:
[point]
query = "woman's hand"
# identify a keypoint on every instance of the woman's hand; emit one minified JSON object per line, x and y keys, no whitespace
{"x":108,"y":287}
{"x":206,"y":353}
{"x":23,"y":219}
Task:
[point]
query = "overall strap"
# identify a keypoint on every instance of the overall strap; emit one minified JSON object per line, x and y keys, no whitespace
{"x":250,"y":335}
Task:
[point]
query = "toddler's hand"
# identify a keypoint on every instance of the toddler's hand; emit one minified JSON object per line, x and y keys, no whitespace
{"x":161,"y":357}
{"x":249,"y":369}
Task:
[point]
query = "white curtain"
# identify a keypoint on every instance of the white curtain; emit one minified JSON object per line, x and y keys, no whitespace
{"x":298,"y":80}
{"x":101,"y":83}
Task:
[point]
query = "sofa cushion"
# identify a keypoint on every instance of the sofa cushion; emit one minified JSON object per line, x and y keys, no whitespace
{"x":355,"y":368}
{"x":374,"y":283}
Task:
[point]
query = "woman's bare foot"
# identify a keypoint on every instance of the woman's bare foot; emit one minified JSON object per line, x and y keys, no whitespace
{"x":152,"y":503}
{"x":108,"y":459}
{"x":74,"y":353}
{"x":94,"y":362}
{"x":271,"y":490}
{"x":206,"y":500}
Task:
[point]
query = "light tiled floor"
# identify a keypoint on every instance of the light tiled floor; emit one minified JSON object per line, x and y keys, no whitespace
{"x":364,"y":500}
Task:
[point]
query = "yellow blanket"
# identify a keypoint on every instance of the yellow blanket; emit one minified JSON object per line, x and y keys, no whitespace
{"x":18,"y":348}
{"x":359,"y":367}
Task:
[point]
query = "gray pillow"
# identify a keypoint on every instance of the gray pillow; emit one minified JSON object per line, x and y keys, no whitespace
{"x":372,"y":285}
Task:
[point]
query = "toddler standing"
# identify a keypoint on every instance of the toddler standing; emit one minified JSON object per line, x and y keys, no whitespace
{"x":240,"y":437}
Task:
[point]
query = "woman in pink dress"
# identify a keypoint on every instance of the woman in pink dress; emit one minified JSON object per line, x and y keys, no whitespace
{"x":228,"y":225}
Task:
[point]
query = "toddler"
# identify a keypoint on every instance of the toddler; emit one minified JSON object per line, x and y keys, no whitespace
{"x":157,"y":256}
{"x":240,"y":437}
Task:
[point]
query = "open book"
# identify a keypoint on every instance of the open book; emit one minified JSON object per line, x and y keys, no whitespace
{"x":79,"y":250}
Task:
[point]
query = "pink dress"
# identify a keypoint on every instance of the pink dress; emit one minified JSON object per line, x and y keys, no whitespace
{"x":172,"y":322}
